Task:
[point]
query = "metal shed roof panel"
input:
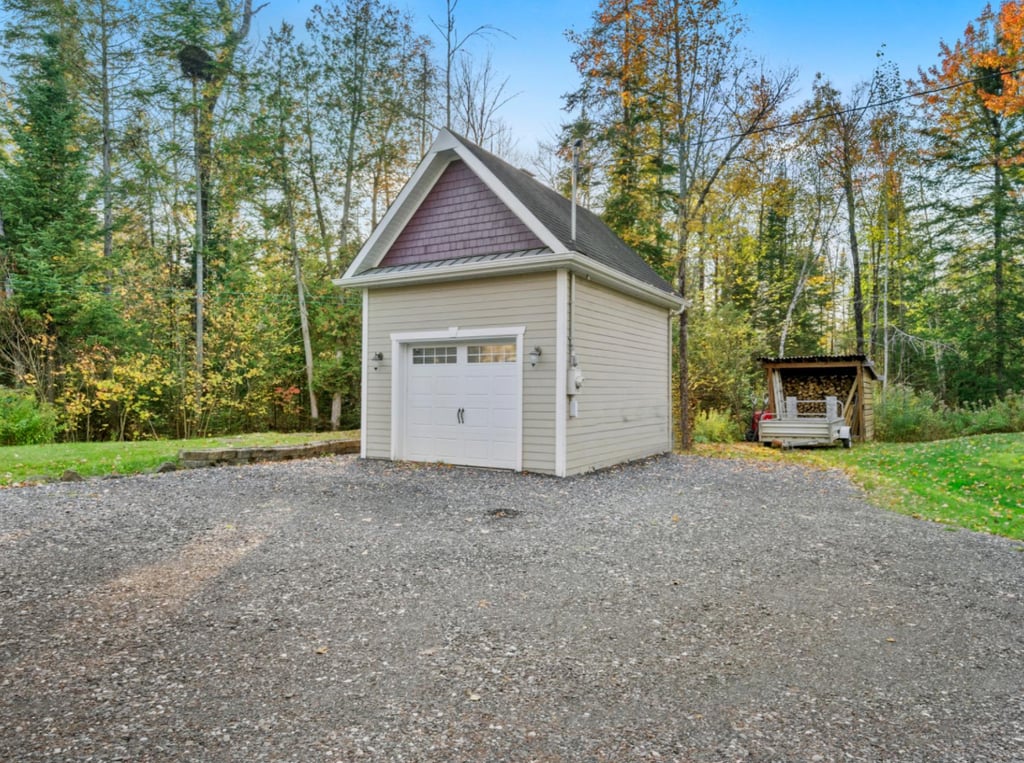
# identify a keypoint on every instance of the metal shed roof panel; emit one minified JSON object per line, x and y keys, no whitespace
{"x":822,"y":360}
{"x":434,"y":264}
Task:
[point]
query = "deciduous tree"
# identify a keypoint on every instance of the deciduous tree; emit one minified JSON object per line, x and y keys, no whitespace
{"x":974,"y":131}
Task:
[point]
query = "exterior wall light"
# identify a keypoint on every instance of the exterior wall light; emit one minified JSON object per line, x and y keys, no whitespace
{"x":377,"y":357}
{"x":535,"y":354}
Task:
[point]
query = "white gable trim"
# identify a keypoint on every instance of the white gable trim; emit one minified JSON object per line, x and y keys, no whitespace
{"x":509,"y":199}
{"x":401,"y":210}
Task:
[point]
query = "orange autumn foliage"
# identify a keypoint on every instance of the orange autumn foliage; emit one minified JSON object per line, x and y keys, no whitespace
{"x":991,"y":55}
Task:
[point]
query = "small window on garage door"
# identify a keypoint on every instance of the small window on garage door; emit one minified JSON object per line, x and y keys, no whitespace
{"x":432,"y":356}
{"x":491,"y":353}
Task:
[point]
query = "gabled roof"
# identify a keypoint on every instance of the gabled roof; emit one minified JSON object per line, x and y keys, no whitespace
{"x":596,"y":252}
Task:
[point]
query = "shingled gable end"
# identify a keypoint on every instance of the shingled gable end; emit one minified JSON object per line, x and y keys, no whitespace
{"x":461,"y":217}
{"x":492,"y":337}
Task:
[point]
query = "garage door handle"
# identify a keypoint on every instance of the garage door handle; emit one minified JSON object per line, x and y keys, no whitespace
{"x":460,"y":415}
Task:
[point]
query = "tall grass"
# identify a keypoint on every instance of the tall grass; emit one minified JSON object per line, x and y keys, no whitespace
{"x":905,"y":415}
{"x":715,"y":426}
{"x":23,"y":420}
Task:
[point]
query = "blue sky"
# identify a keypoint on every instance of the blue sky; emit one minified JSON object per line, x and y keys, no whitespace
{"x":839,"y":39}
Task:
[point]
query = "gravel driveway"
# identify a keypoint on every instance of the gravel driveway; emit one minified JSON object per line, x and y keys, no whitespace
{"x":678,"y":609}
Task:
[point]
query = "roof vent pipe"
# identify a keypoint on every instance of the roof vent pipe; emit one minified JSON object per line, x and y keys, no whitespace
{"x":575,"y":173}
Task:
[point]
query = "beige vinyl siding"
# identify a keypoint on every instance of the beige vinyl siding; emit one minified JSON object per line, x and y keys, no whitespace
{"x":525,"y":300}
{"x":622,"y":347}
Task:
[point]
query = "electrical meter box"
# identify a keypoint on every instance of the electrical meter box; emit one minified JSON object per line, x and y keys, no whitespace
{"x":574,"y":382}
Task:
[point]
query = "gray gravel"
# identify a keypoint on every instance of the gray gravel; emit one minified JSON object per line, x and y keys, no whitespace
{"x":678,"y":609}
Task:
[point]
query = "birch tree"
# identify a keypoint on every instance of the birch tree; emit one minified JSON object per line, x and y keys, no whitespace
{"x":842,"y":136}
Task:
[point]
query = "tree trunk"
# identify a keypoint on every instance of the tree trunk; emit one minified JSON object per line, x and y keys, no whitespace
{"x":858,"y":296}
{"x":105,"y":127}
{"x":685,"y":427}
{"x":999,"y":278}
{"x":314,"y":184}
{"x":307,"y":347}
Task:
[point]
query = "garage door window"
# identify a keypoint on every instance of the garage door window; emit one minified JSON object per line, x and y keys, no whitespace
{"x":431,"y":356}
{"x":491,"y":353}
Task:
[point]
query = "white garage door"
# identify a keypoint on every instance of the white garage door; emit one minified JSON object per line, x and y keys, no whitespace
{"x":463,"y":404}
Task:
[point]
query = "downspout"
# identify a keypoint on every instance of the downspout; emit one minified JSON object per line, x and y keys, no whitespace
{"x":572,"y":313}
{"x":561,"y":366}
{"x":572,"y":361}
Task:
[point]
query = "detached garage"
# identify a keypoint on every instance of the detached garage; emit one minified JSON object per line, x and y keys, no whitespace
{"x":503,"y":329}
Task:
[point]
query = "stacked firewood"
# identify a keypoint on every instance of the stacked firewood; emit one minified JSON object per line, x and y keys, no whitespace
{"x":816,"y":388}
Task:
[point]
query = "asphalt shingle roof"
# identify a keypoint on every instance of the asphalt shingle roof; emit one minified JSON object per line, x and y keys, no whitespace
{"x":594,"y":239}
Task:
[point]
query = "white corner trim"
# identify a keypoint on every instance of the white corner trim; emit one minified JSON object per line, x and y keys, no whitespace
{"x":364,"y":382}
{"x":671,"y":408}
{"x":561,"y":369}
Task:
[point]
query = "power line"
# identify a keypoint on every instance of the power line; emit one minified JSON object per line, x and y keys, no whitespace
{"x":26,"y":286}
{"x":865,"y":107}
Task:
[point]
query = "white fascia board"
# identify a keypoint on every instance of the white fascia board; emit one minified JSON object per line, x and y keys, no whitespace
{"x":578,"y":263}
{"x":619,"y":281}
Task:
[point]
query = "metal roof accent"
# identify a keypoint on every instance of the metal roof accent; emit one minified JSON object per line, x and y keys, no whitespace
{"x":474,"y":258}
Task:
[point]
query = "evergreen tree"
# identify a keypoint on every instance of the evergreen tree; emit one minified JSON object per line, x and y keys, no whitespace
{"x":47,"y":195}
{"x":975,"y":127}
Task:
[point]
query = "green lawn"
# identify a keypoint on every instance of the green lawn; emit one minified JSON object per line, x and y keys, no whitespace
{"x":37,"y":463}
{"x":973,"y":482}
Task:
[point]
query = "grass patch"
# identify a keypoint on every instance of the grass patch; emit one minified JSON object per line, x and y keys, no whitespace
{"x":37,"y":463}
{"x":973,"y":482}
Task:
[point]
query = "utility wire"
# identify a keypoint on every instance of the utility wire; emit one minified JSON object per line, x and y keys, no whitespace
{"x":25,"y":286}
{"x":865,"y":107}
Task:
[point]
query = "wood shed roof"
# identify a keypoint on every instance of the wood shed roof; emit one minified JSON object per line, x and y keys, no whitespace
{"x":822,"y":362}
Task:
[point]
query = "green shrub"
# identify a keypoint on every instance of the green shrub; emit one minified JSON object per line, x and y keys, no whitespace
{"x":715,"y":426}
{"x":24,"y":421}
{"x":1002,"y":415}
{"x":905,"y":415}
{"x":722,"y":348}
